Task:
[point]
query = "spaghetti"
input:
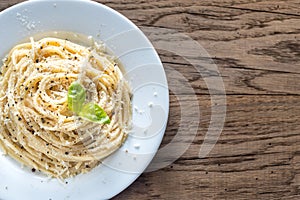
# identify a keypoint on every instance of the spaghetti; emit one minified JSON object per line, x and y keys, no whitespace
{"x":36,"y":126}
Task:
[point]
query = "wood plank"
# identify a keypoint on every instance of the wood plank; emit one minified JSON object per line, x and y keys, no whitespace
{"x":282,"y":6}
{"x":237,"y":78}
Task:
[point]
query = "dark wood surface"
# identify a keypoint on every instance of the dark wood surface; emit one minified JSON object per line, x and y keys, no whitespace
{"x":256,"y":46}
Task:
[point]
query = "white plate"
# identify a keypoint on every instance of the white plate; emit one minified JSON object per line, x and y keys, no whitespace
{"x":144,"y":72}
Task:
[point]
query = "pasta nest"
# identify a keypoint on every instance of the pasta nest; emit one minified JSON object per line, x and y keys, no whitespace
{"x":38,"y":129}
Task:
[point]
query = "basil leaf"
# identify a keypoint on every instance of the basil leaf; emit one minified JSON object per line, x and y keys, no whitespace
{"x":93,"y":112}
{"x":90,"y":111}
{"x":76,"y":97}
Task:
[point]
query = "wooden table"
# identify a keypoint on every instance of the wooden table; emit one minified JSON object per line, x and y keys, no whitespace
{"x":256,"y":47}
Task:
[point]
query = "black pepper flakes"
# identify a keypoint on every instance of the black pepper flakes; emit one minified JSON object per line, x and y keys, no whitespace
{"x":67,"y":153}
{"x":26,"y":88}
{"x":37,"y":60}
{"x":19,"y":118}
{"x":33,"y":169}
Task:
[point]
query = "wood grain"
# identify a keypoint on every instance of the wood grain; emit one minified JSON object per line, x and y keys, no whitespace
{"x":256,"y":46}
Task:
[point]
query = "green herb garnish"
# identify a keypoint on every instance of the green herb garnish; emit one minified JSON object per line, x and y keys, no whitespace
{"x":89,"y":111}
{"x":76,"y":97}
{"x":94,"y":113}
